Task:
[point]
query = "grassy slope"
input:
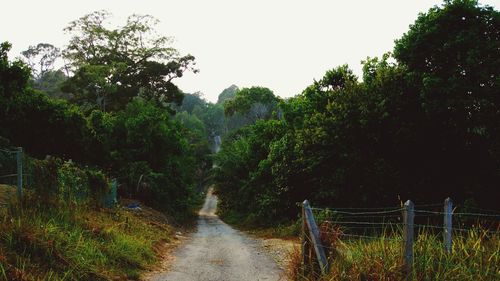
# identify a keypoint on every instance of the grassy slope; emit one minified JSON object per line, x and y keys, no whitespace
{"x":77,"y":243}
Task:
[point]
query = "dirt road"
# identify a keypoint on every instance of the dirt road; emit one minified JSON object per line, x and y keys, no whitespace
{"x":217,"y":252}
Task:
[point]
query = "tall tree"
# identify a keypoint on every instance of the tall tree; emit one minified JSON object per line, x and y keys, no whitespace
{"x":41,"y":58}
{"x":113,"y":65}
{"x":452,"y":56}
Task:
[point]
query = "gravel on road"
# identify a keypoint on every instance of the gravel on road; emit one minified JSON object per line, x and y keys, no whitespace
{"x":217,"y":252}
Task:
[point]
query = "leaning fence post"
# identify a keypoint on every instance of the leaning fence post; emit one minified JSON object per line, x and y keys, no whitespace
{"x":448,"y":212}
{"x":314,"y":234}
{"x":408,"y":237}
{"x":19,"y":158}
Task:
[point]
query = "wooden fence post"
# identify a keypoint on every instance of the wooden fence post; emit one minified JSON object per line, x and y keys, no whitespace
{"x":314,"y":235}
{"x":447,"y":223}
{"x":408,"y":237}
{"x":304,"y":243}
{"x":19,"y":158}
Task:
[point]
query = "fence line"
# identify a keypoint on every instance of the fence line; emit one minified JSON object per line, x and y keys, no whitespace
{"x":382,"y":221}
{"x":16,"y":164}
{"x":358,"y":213}
{"x":19,"y":170}
{"x":460,"y":214}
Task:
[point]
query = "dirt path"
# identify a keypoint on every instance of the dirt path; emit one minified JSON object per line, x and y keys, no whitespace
{"x":217,"y":252}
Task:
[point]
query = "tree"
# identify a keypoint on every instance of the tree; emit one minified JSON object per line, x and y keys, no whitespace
{"x":190,"y":101}
{"x":111,"y":66}
{"x":254,"y":103}
{"x":452,"y":51}
{"x":212,"y":116}
{"x":41,"y":58}
{"x":50,"y":83}
{"x":227,"y":94}
{"x":13,"y":76}
{"x":451,"y":54}
{"x":31,"y":120}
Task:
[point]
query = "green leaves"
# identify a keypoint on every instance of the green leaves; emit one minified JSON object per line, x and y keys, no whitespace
{"x":254,"y":103}
{"x":111,"y":66}
{"x":423,"y":124}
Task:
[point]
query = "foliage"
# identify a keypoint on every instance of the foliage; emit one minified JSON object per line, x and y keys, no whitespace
{"x":192,"y":101}
{"x":422,"y":124}
{"x":227,"y":94}
{"x":41,"y":58}
{"x":111,"y":66}
{"x":45,"y":172}
{"x":50,"y":83}
{"x":254,"y":103}
{"x":196,"y":134}
{"x":149,"y":154}
{"x":212,"y":115}
{"x":142,"y":136}
{"x":451,"y":55}
{"x":13,"y":76}
{"x":63,"y":182}
{"x":29,"y":119}
{"x":241,"y":174}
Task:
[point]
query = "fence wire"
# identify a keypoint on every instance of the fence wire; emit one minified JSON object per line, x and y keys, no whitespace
{"x":341,"y":229}
{"x":380,"y":222}
{"x":458,"y":214}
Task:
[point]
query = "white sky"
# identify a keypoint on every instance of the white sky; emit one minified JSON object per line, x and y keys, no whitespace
{"x":282,"y":45}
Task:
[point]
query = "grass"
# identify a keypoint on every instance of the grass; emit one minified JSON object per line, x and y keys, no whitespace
{"x":475,"y":256}
{"x":53,"y":242}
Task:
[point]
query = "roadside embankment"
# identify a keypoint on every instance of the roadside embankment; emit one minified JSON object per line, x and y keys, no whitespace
{"x":62,"y":242}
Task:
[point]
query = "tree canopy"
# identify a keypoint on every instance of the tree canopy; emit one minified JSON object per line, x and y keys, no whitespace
{"x":254,"y":103}
{"x":113,"y":65}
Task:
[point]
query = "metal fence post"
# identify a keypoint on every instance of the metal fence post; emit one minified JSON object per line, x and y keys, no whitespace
{"x":19,"y":157}
{"x":447,"y":224}
{"x":408,"y":237}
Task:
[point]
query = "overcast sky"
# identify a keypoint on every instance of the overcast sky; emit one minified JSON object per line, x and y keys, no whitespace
{"x":282,"y":45}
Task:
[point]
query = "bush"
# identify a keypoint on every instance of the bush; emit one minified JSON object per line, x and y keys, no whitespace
{"x":54,"y":179}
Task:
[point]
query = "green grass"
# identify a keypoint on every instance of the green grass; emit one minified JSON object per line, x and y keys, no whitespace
{"x":475,"y":256}
{"x":78,"y":243}
{"x":250,"y":223}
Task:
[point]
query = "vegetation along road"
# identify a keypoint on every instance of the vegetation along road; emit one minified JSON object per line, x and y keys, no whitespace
{"x":219,"y":252}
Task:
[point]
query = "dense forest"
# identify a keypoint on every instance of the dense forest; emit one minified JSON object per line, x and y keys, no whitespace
{"x":422,"y":123}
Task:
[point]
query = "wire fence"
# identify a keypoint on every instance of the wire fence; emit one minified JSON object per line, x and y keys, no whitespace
{"x":384,"y":218}
{"x":19,"y":172}
{"x":399,"y":226}
{"x":8,"y":166}
{"x":10,"y":178}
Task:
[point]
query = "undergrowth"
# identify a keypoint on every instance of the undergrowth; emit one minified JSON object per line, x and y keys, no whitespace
{"x":58,"y":242}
